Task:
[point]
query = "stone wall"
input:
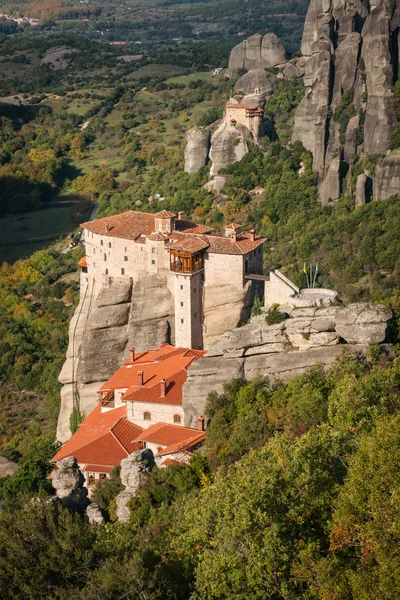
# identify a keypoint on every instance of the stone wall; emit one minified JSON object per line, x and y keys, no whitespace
{"x":311,"y":337}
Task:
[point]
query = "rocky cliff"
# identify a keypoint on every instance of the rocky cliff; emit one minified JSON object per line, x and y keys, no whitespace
{"x":351,"y":52}
{"x":197,"y":147}
{"x":101,"y":332}
{"x":313,"y":336}
{"x":257,"y":52}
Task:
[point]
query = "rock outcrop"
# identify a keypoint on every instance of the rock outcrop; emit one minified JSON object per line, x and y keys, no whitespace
{"x":197,"y":148}
{"x":256,"y":79}
{"x":386,"y":177}
{"x":94,"y":514}
{"x":105,"y":325}
{"x":313,"y":336}
{"x":68,"y":480}
{"x":257,"y":52}
{"x":228,"y":145}
{"x":134,"y":471}
{"x":351,"y":53}
{"x":7,"y":467}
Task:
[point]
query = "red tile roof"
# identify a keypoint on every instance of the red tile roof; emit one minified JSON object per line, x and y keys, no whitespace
{"x":131,"y":225}
{"x":188,"y":243}
{"x":99,"y":468}
{"x":166,"y":363}
{"x":82,"y":262}
{"x":170,"y":461}
{"x":104,"y":438}
{"x":174,"y":437}
{"x":164,"y":214}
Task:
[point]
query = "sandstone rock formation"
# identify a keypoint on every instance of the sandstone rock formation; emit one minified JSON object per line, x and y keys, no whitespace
{"x":134,"y":470}
{"x":102,"y":329}
{"x":197,"y":147}
{"x":351,"y":52}
{"x":313,"y":336}
{"x":257,"y":52}
{"x":256,"y":79}
{"x":228,"y":145}
{"x":7,"y":467}
{"x":94,"y":514}
{"x":67,"y":480}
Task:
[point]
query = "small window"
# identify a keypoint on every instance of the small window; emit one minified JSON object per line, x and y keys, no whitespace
{"x":122,"y":271}
{"x":105,"y":257}
{"x":125,"y":258}
{"x":102,"y":476}
{"x":106,"y":271}
{"x":181,"y":303}
{"x":153,"y":262}
{"x":94,"y":265}
{"x":181,"y":320}
{"x":195,"y":315}
{"x":125,"y":249}
{"x":195,"y":290}
{"x":94,"y":250}
{"x":92,"y":234}
{"x":141,"y":249}
{"x":109,"y":244}
{"x":146,"y":416}
{"x":153,"y":250}
{"x":181,"y":287}
{"x":101,"y":242}
{"x":177,"y":418}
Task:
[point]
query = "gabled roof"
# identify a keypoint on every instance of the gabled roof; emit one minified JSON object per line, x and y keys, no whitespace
{"x":166,"y":363}
{"x":131,"y":225}
{"x":174,"y":438}
{"x":104,"y":438}
{"x":164,"y":214}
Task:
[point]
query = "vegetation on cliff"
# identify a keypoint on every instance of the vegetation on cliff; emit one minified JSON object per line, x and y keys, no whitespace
{"x":295,"y":497}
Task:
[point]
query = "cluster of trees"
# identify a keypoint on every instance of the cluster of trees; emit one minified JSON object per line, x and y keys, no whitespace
{"x":294,"y":496}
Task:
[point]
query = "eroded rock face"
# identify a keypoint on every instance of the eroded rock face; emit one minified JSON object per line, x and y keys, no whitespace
{"x":101,"y":332}
{"x":134,"y":470}
{"x":256,"y":79}
{"x":197,"y":148}
{"x":386,"y":177}
{"x":257,"y":52}
{"x":351,"y":52}
{"x":67,"y":480}
{"x":228,"y":145}
{"x":7,"y":467}
{"x":94,"y":514}
{"x":313,"y":336}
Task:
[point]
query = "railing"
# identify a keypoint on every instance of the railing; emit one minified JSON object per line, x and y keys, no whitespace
{"x":193,"y":268}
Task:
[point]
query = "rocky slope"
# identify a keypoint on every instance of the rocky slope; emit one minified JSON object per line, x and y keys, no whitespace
{"x":313,"y":336}
{"x":351,"y":52}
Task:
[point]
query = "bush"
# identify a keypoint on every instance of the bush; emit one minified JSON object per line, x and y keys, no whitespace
{"x":275,"y":316}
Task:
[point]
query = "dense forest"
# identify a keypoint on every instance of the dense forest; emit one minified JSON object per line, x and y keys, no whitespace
{"x":295,"y":496}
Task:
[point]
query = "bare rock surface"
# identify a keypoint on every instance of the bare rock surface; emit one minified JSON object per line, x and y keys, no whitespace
{"x":351,"y":53}
{"x":257,"y":52}
{"x":7,"y":467}
{"x":68,"y":480}
{"x":256,"y":79}
{"x":313,"y":336}
{"x":228,"y":145}
{"x":386,"y":177}
{"x":134,"y":470}
{"x":197,"y":148}
{"x":94,"y":514}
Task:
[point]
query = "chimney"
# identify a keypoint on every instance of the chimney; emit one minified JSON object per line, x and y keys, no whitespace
{"x":131,"y":355}
{"x":253,"y":235}
{"x":181,"y":214}
{"x":234,"y":235}
{"x":163,"y":385}
{"x":140,"y":377}
{"x":200,"y":423}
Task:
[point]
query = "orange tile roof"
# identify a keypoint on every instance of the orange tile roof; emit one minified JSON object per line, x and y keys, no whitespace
{"x":165,"y":214}
{"x":165,"y":363}
{"x":251,"y":107}
{"x":188,"y":243}
{"x":184,"y":445}
{"x":170,"y":436}
{"x":215,"y":244}
{"x":104,"y":438}
{"x":131,"y":225}
{"x":170,"y":461}
{"x":99,"y":468}
{"x":82,"y":262}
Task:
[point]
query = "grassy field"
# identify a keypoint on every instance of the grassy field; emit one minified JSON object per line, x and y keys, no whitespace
{"x":23,"y":234}
{"x":157,"y":71}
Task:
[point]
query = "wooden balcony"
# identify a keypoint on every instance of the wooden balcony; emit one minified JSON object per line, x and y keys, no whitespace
{"x":186,"y":262}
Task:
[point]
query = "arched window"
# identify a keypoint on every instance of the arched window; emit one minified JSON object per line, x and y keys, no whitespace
{"x":146,"y":416}
{"x":177,"y":418}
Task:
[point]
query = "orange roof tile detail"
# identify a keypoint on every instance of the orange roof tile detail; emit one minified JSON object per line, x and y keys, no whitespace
{"x":170,"y":461}
{"x":82,"y":262}
{"x":188,"y":243}
{"x":104,"y":438}
{"x":164,"y":214}
{"x":173,"y":391}
{"x":131,"y":225}
{"x":167,"y":435}
{"x":184,"y":445}
{"x":99,"y":468}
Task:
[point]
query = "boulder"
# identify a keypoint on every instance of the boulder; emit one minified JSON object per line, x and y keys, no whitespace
{"x":94,"y":514}
{"x":272,"y":51}
{"x":360,"y":190}
{"x":7,"y":467}
{"x":292,"y":71}
{"x":134,"y":471}
{"x":228,"y":145}
{"x":68,"y":481}
{"x":363,"y":323}
{"x":197,"y":148}
{"x":256,"y":81}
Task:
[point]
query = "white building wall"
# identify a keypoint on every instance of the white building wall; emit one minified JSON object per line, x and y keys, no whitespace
{"x":188,"y":310}
{"x":160,"y":413}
